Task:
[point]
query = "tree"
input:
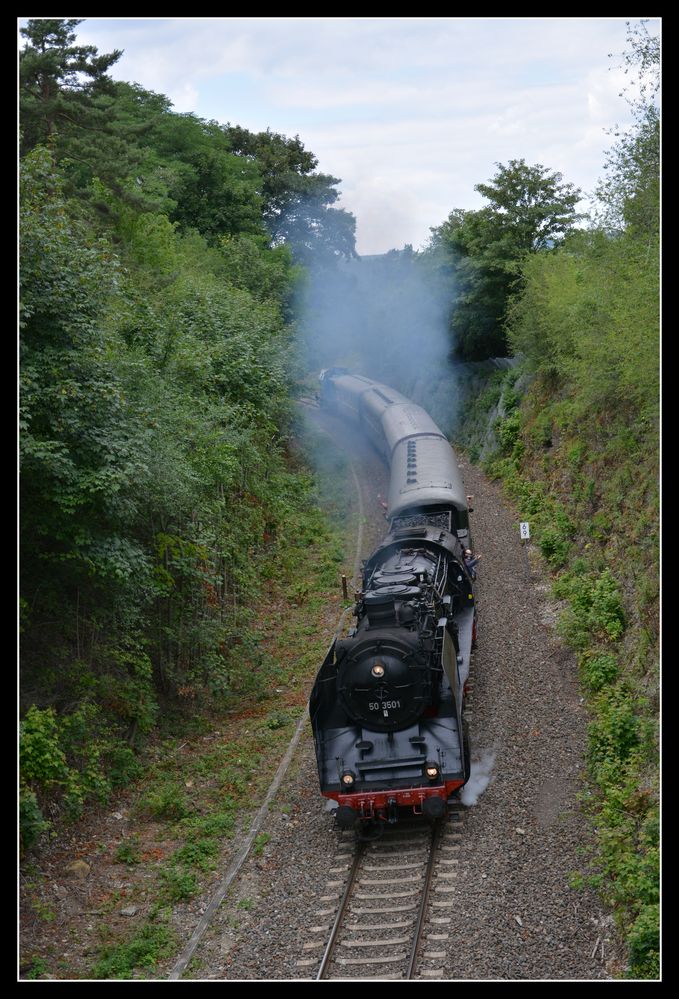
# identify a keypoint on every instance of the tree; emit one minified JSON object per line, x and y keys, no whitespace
{"x":213,"y":190}
{"x":630,"y":193}
{"x":530,"y":210}
{"x":59,"y":79}
{"x":297,"y":201}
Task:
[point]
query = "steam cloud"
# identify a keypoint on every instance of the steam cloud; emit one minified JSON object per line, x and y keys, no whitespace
{"x":385,"y":317}
{"x":481,"y":771}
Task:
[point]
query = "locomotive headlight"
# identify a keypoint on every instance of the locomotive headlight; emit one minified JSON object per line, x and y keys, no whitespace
{"x":378,"y":670}
{"x":432,"y":771}
{"x":347,"y":779}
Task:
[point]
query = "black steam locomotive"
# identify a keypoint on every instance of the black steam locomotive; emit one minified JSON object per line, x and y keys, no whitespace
{"x":387,"y":705}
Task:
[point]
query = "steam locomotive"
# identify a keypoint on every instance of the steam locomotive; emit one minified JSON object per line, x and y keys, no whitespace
{"x":387,"y":704}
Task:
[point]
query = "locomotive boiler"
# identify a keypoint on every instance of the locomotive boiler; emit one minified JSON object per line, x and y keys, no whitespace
{"x":388,"y":701}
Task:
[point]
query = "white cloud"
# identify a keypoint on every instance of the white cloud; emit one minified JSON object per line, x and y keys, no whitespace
{"x":411,"y":113}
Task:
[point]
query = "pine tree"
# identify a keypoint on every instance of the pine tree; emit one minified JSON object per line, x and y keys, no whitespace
{"x":59,"y":81}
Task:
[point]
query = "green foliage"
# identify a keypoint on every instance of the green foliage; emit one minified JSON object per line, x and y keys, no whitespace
{"x":127,"y":688}
{"x":263,"y":275}
{"x":595,"y":608}
{"x":644,"y":943}
{"x":154,"y":402}
{"x":588,"y":315}
{"x":529,"y":209}
{"x":129,"y":851}
{"x":157,"y":281}
{"x":599,"y":669}
{"x":507,"y":431}
{"x":153,"y":942}
{"x":554,"y":547}
{"x":260,"y":842}
{"x":198,"y":853}
{"x":32,"y":823}
{"x":630,"y":193}
{"x":125,"y":152}
{"x":42,"y":758}
{"x":59,"y":80}
{"x":615,"y":733}
{"x":213,"y":190}
{"x":298,"y":202}
{"x":178,"y":885}
{"x":36,"y":969}
{"x":277,"y":720}
{"x":165,"y":802}
{"x":72,"y":759}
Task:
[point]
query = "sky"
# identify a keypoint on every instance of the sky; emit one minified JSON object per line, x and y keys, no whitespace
{"x":409,"y":113}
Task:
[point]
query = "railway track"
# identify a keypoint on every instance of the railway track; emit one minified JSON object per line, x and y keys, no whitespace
{"x":386,"y":908}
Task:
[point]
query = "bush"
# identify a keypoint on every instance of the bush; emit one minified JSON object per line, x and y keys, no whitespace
{"x":150,"y":944}
{"x":508,"y":431}
{"x":32,"y":823}
{"x":42,"y":758}
{"x":598,"y":670}
{"x":70,"y":759}
{"x":644,"y":943}
{"x":178,"y":885}
{"x":554,"y":547}
{"x":615,"y":732}
{"x":165,"y":802}
{"x":595,"y":611}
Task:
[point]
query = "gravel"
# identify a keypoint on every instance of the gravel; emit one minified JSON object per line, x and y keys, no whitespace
{"x":516,"y":918}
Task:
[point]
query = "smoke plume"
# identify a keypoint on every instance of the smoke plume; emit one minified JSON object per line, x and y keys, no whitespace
{"x":385,"y":317}
{"x":481,"y":771}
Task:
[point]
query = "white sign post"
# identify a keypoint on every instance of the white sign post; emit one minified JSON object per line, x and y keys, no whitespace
{"x":524,"y":531}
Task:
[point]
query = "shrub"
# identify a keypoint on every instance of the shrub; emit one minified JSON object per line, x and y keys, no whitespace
{"x":178,"y":885}
{"x":644,"y":943}
{"x":598,"y":670}
{"x":165,"y":802}
{"x":32,"y":823}
{"x":607,"y":614}
{"x":150,"y":944}
{"x":129,"y":851}
{"x":595,"y":610}
{"x":508,"y":431}
{"x":554,"y":546}
{"x":614,"y":733}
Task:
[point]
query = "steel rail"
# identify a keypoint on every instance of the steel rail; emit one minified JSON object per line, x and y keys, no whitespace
{"x":437,"y":832}
{"x":358,"y":856}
